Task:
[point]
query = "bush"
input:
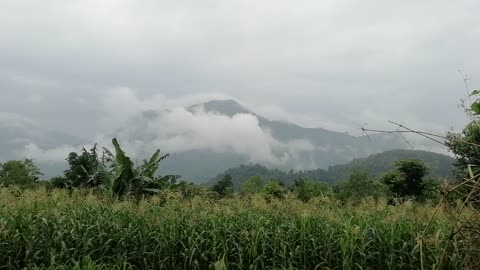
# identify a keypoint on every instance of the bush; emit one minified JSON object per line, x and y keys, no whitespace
{"x":306,"y":189}
{"x":358,"y":186}
{"x":274,"y":189}
{"x":252,"y":185}
{"x":224,"y":187}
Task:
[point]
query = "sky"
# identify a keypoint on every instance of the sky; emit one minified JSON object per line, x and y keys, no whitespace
{"x":84,"y":67}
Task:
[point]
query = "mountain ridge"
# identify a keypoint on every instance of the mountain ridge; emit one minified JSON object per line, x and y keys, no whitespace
{"x":441,"y":167}
{"x":317,"y":147}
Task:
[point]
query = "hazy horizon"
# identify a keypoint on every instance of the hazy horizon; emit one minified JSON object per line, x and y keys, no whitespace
{"x":87,"y":68}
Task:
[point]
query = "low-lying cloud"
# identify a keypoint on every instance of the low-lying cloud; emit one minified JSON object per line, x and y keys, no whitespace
{"x":145,"y":124}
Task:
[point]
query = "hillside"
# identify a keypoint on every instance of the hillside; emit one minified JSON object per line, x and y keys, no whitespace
{"x":440,"y":166}
{"x":206,"y":139}
{"x":324,"y":147}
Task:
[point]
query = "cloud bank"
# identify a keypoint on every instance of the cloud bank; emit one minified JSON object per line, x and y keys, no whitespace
{"x":142,"y":127}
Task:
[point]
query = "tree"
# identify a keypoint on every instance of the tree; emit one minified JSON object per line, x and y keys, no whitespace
{"x":466,"y":145}
{"x":18,"y":172}
{"x":224,"y":187}
{"x":306,"y":189}
{"x":252,"y":185}
{"x":81,"y":168}
{"x":407,"y":179}
{"x":463,"y":146}
{"x":274,"y":189}
{"x":359,"y":185}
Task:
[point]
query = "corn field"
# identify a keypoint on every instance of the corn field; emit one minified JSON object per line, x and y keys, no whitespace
{"x":42,"y":229}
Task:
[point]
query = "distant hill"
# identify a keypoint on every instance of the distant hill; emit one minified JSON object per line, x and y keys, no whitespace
{"x":440,"y":167}
{"x":291,"y":146}
{"x":328,"y":147}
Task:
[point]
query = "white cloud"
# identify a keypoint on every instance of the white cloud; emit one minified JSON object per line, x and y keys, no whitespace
{"x":53,"y":155}
{"x":177,"y":130}
{"x":316,"y":63}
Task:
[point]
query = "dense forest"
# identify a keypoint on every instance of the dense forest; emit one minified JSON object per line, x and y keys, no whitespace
{"x":375,"y":165}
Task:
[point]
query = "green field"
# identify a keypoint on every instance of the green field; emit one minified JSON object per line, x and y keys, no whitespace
{"x":80,"y":230}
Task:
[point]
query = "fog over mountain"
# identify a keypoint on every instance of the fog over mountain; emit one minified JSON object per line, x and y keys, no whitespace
{"x":204,"y":138}
{"x":77,"y":72}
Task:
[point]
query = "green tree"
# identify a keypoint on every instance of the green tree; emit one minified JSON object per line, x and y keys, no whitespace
{"x":407,"y":179}
{"x":81,"y":167}
{"x":274,"y":189}
{"x":252,"y":185}
{"x":19,"y":172}
{"x":466,"y":144}
{"x":431,"y":190}
{"x":306,"y":189}
{"x":358,"y":186}
{"x":59,"y":182}
{"x":465,"y":147}
{"x":224,"y":187}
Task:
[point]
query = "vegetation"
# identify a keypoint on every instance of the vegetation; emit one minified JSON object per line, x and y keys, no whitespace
{"x":274,"y":189}
{"x":359,"y":186}
{"x":115,"y":174}
{"x":306,"y":189}
{"x":440,"y":167}
{"x":106,"y":212}
{"x":19,"y":172}
{"x":224,"y":187}
{"x":408,"y":179}
{"x":465,"y":145}
{"x":58,"y":230}
{"x":252,"y":185}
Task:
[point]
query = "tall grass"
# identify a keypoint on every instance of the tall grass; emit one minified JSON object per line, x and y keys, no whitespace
{"x":58,"y":230}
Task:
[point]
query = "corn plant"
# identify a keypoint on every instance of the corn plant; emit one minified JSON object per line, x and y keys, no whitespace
{"x":87,"y":230}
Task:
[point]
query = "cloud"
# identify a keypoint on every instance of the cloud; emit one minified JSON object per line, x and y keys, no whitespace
{"x":175,"y":129}
{"x":316,"y":63}
{"x":141,"y":127}
{"x":15,"y":120}
{"x":53,"y":155}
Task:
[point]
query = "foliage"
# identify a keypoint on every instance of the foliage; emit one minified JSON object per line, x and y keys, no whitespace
{"x":463,"y":146}
{"x":84,"y":230}
{"x":19,"y":172}
{"x":440,"y":167}
{"x":59,"y":182}
{"x":466,"y":145}
{"x":224,"y":187}
{"x":431,"y":190}
{"x":306,"y":189}
{"x":252,"y":185}
{"x":358,"y":186}
{"x":407,"y":179}
{"x":114,"y":173}
{"x":126,"y":179}
{"x":274,"y":189}
{"x":81,"y":167}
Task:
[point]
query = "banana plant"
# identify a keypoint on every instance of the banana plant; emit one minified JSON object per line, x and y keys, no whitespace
{"x":122,"y":177}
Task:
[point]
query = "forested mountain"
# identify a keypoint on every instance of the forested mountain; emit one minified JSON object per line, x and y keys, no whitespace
{"x":202,"y":145}
{"x":325,"y":148}
{"x":377,"y":164}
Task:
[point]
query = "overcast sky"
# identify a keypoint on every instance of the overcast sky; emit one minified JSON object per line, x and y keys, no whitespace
{"x":320,"y":63}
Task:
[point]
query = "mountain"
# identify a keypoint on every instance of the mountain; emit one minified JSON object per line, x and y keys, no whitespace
{"x":440,"y":167}
{"x":206,"y":139}
{"x":324,"y":148}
